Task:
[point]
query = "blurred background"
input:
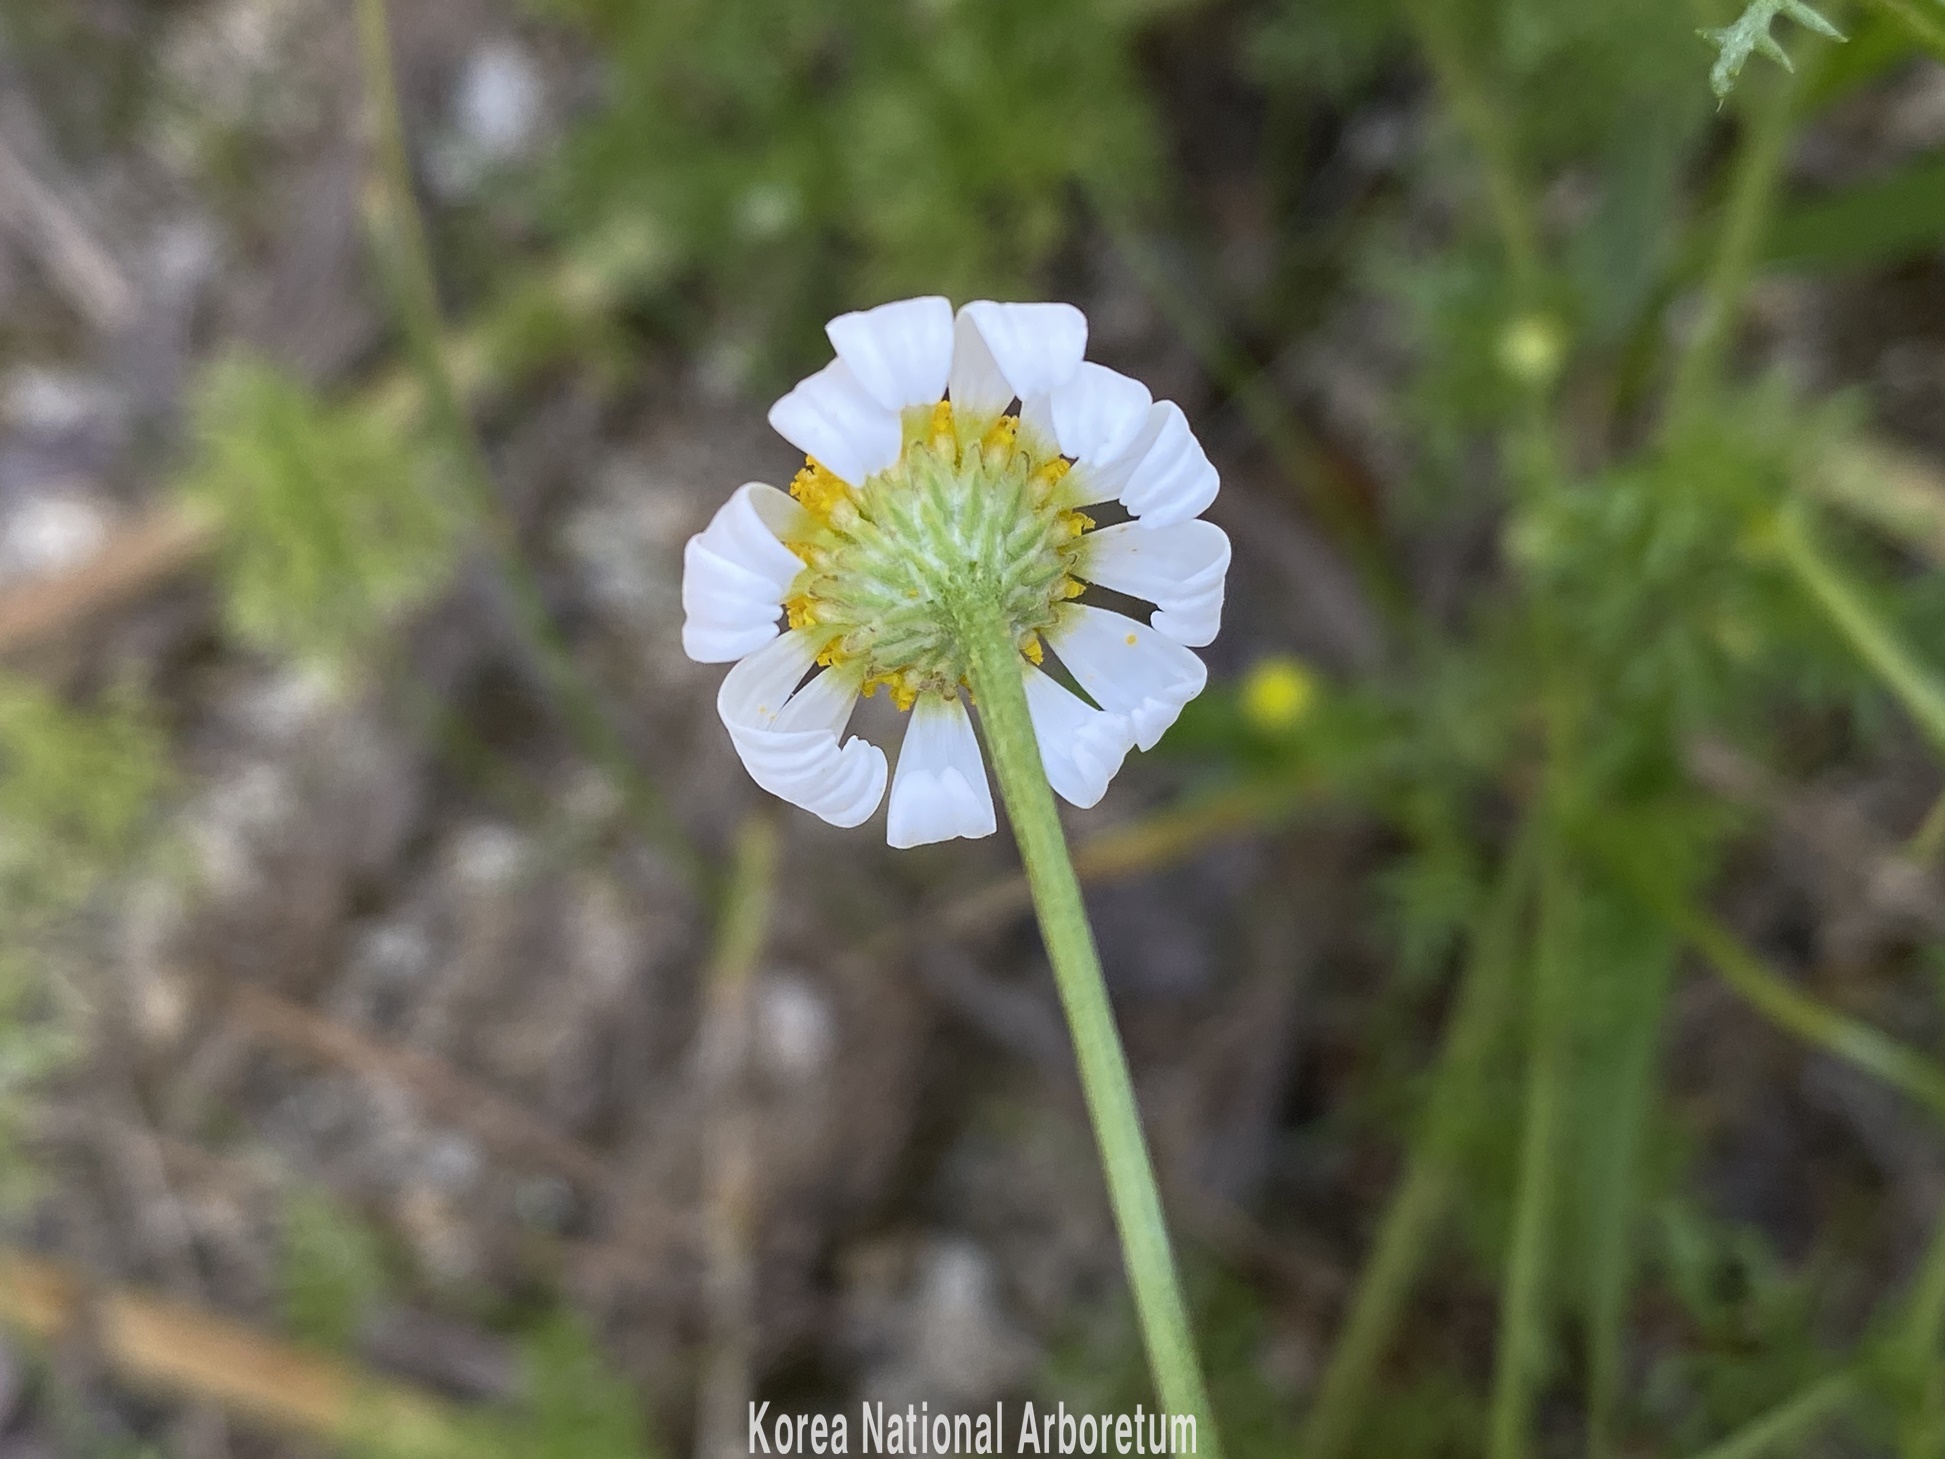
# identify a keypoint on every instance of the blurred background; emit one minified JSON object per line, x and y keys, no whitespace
{"x":418,"y":1037}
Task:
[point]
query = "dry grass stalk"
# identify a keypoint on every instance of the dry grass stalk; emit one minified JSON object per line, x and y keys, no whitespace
{"x":179,"y":1351}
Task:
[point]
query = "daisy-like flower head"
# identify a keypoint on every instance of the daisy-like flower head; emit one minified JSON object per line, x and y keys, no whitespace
{"x":925,"y":490}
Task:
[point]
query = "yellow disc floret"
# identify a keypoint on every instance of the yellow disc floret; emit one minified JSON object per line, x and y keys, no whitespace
{"x":820,"y":492}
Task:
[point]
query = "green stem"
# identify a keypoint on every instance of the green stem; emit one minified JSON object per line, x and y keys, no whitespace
{"x":1917,"y":1341}
{"x":1442,"y":36}
{"x":1000,"y":692}
{"x":1919,"y":20}
{"x":407,"y":260}
{"x":1752,"y":191}
{"x":1790,"y":1008}
{"x":1874,"y":640}
{"x":1423,"y":1196}
{"x":1524,"y":1308}
{"x":1789,"y":1424}
{"x":1297,"y":454}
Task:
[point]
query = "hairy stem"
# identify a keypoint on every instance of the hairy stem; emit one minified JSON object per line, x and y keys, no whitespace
{"x":1424,"y":1195}
{"x":407,"y":262}
{"x":1000,"y":694}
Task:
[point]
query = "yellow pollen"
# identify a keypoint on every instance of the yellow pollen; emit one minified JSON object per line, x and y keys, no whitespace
{"x":899,"y":687}
{"x":1000,"y":435}
{"x":1075,"y":523}
{"x":819,"y":491}
{"x":802,"y":611}
{"x":1131,"y":640}
{"x":1043,"y":481}
{"x":1032,"y":648}
{"x":1072,"y":588}
{"x":942,"y":436}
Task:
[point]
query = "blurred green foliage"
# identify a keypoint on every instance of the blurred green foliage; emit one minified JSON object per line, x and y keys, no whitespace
{"x":78,"y":790}
{"x":336,"y":522}
{"x":802,"y":156}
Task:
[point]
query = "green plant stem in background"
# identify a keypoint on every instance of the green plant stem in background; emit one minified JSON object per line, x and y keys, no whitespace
{"x":1757,"y":171}
{"x":1790,"y":1008}
{"x":1000,"y":694}
{"x":1424,"y":1195}
{"x":1351,"y":527}
{"x":407,"y":261}
{"x":1788,"y":1426}
{"x":1916,"y":1352}
{"x":1874,"y":640}
{"x":1920,"y":19}
{"x":1524,"y":1310}
{"x":1443,"y":36}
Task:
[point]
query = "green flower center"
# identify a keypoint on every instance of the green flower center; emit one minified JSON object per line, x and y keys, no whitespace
{"x":969,"y":513}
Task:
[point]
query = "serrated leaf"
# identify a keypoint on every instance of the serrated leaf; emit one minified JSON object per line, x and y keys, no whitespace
{"x":1751,"y":33}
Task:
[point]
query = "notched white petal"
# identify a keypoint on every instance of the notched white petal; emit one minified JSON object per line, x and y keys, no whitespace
{"x":736,"y":573}
{"x":976,"y":386}
{"x":1181,"y":569}
{"x":1162,"y":478}
{"x":1097,"y":414}
{"x":1128,"y":668}
{"x":1081,"y":747}
{"x":1023,"y":350}
{"x":940,"y":790}
{"x":788,"y":737}
{"x":899,"y":353}
{"x":833,"y":419}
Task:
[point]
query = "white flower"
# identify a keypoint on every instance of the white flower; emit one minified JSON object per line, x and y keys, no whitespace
{"x":925,"y":489}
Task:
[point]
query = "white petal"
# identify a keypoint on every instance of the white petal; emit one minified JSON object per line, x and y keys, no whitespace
{"x":940,"y":789}
{"x":1180,"y":569}
{"x":1097,"y":414}
{"x":1081,"y":747}
{"x":833,"y":420}
{"x":899,"y":353}
{"x":976,"y":385}
{"x":788,"y":737}
{"x":1128,"y":668}
{"x":1164,"y":477}
{"x":736,"y":573}
{"x":1003,"y":351}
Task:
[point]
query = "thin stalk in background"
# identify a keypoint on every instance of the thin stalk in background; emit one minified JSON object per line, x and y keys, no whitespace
{"x":1424,"y":1194}
{"x":1786,"y":1428}
{"x":407,"y":264}
{"x":1919,"y":18}
{"x":1000,"y":694}
{"x":729,"y":1142}
{"x":1795,"y":1011}
{"x":1442,"y":36}
{"x":1916,"y":1350}
{"x":1350,"y":529}
{"x":1756,"y":174}
{"x":1874,"y":640}
{"x":1524,"y":1308}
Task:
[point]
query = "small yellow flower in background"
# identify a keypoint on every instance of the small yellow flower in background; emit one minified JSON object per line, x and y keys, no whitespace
{"x":1531,"y":349}
{"x":1277,"y":694}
